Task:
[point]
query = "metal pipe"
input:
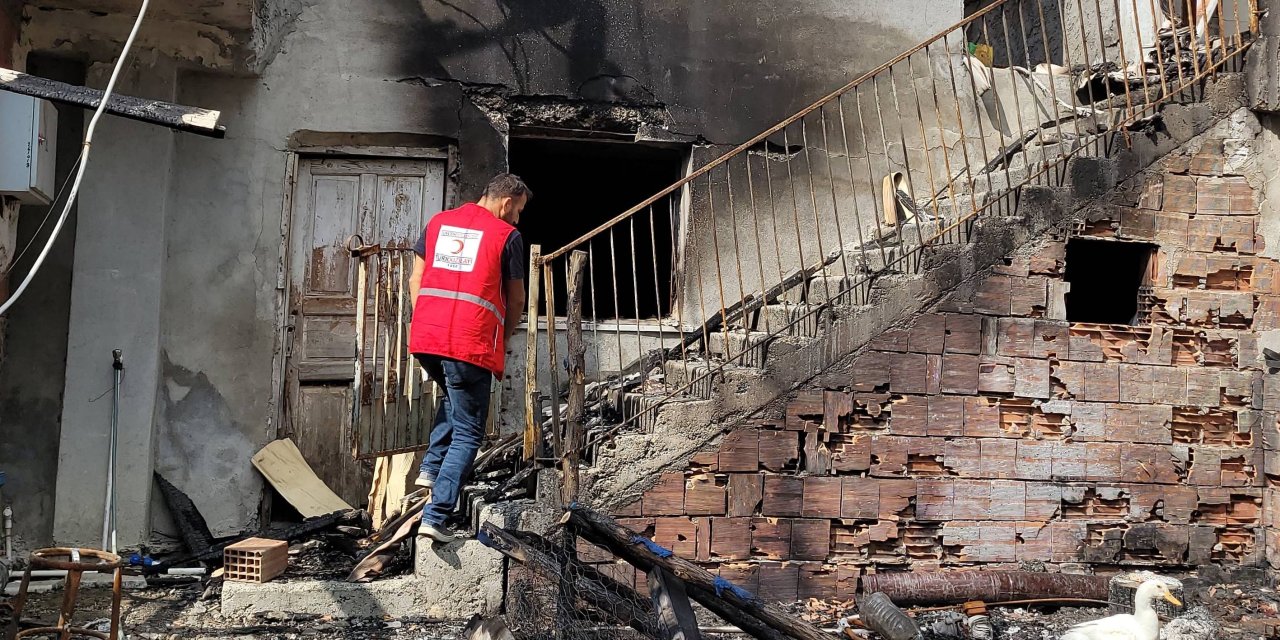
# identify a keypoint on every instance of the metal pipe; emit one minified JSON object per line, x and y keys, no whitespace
{"x":8,"y":533}
{"x":109,"y":508}
{"x":989,"y":586}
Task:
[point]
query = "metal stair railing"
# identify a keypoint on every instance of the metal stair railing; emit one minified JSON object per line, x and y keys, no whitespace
{"x":863,"y":182}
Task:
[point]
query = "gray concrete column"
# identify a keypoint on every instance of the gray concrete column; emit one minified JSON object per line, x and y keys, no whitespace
{"x":115,"y":304}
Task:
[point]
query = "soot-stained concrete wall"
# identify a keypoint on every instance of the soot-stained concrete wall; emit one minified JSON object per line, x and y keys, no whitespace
{"x":35,"y":346}
{"x":413,"y":67}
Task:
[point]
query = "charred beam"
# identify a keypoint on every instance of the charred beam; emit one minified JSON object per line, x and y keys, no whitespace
{"x":166,"y":114}
{"x":612,"y":598}
{"x":761,"y":619}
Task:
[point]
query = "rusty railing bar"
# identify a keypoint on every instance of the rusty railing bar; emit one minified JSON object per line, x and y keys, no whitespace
{"x":853,"y":187}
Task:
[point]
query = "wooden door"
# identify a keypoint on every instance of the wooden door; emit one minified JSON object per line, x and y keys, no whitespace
{"x":385,"y":201}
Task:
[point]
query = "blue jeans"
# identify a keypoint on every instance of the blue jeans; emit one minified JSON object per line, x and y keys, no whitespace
{"x":458,"y":430}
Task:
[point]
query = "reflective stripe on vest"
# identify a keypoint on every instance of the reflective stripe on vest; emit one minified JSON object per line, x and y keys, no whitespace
{"x":465,"y":297}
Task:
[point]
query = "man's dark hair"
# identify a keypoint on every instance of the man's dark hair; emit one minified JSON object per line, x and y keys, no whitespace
{"x":507,"y":185}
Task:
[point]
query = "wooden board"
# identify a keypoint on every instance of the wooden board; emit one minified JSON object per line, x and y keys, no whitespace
{"x":282,"y":465}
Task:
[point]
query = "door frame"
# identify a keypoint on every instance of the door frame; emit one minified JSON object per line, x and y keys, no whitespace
{"x":298,"y":152}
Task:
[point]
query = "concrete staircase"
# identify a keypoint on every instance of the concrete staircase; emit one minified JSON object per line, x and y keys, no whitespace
{"x":667,"y":433}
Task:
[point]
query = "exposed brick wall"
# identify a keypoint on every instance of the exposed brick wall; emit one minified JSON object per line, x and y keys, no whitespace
{"x":992,"y":432}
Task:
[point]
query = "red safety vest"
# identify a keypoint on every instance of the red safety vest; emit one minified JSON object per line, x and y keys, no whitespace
{"x":461,"y":306}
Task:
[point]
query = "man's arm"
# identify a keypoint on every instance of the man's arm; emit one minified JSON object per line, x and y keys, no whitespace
{"x":415,"y":280}
{"x":515,"y":306}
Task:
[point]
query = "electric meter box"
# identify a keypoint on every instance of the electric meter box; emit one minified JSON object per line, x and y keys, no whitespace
{"x":28,"y":137}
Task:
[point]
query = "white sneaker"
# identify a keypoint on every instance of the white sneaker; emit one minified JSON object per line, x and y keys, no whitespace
{"x":425,"y":481}
{"x":438,"y":533}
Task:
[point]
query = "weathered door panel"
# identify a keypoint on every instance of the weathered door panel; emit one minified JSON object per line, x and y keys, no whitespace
{"x":384,"y":201}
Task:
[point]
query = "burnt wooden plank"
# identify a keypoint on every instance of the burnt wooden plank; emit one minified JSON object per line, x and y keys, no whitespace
{"x":166,"y":114}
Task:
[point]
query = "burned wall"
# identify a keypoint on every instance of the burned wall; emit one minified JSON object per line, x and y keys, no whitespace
{"x":992,"y":432}
{"x":428,"y":69}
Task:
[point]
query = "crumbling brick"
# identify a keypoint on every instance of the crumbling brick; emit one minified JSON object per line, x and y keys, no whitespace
{"x":821,"y":497}
{"x":817,"y":581}
{"x":837,"y":409}
{"x":771,"y":538}
{"x":908,"y":373}
{"x":779,"y":581}
{"x":889,"y":456}
{"x":677,"y":534}
{"x":946,"y":416}
{"x":1031,"y":378}
{"x":731,"y":538}
{"x":705,"y":496}
{"x":702,"y":529}
{"x":1180,"y":194}
{"x":1043,"y":501}
{"x":666,"y":498}
{"x":1029,"y":296}
{"x":851,"y":453}
{"x":740,"y":451}
{"x":783,"y":496}
{"x":1000,"y":457}
{"x":910,"y":416}
{"x":745,"y":494}
{"x":778,"y":450}
{"x":810,"y":539}
{"x":896,"y":497}
{"x":960,"y":374}
{"x":982,"y":418}
{"x":927,"y":334}
{"x":993,"y":296}
{"x":964,"y":334}
{"x":996,"y":375}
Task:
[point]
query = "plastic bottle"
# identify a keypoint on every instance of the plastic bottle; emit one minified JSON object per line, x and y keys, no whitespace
{"x":885,"y":618}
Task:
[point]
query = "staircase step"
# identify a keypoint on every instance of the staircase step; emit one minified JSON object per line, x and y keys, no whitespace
{"x":744,"y":348}
{"x":774,"y":317}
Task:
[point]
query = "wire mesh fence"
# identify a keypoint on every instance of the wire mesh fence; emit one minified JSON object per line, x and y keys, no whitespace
{"x":564,"y":587}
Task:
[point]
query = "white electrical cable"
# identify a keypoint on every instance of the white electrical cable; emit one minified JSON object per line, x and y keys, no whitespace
{"x":84,"y":161}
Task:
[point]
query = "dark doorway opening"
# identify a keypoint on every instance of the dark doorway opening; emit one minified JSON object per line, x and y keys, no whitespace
{"x":580,"y":184}
{"x":1105,"y":276}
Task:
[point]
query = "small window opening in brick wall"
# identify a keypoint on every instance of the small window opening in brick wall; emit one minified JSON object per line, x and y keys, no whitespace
{"x":1105,"y":278}
{"x":579,"y":184}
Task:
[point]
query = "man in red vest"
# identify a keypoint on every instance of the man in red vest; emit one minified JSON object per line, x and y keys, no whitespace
{"x":469,"y":274}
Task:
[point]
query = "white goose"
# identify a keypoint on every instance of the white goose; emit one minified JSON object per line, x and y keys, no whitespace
{"x":1142,"y":624}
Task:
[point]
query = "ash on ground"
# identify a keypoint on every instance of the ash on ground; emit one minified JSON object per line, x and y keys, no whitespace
{"x":192,"y":612}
